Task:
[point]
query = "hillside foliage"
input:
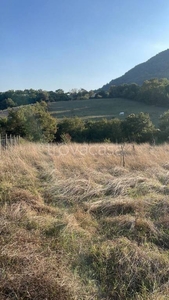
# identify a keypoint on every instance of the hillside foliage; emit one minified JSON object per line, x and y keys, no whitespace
{"x":152,"y":92}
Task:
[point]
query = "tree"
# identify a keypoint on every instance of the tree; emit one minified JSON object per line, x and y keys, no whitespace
{"x":154,"y":92}
{"x":72,"y":127}
{"x":59,"y":91}
{"x":42,"y":96}
{"x":32,"y":122}
{"x":138,"y":128}
{"x":10,"y":102}
{"x":102,"y":130}
{"x":129,"y":91}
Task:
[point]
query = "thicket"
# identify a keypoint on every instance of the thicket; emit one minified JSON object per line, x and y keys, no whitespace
{"x":136,"y":128}
{"x":34,"y":123}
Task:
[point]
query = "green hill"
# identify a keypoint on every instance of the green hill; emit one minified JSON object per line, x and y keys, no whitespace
{"x":155,"y":67}
{"x":103,"y":108}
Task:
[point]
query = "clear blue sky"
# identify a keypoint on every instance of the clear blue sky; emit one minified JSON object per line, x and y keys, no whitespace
{"x":51,"y":44}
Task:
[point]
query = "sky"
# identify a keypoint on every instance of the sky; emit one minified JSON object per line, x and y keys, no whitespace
{"x":67,"y":44}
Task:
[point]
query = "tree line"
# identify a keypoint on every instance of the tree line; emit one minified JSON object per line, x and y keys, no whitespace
{"x":152,"y":92}
{"x":13,"y":98}
{"x":34,"y":123}
{"x":137,"y":128}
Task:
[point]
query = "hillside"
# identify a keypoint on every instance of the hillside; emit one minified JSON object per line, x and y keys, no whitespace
{"x":76,"y":224}
{"x":155,"y":67}
{"x":103,"y":108}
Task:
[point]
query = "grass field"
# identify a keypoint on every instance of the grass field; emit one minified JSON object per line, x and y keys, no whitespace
{"x":77,"y":225}
{"x":103,"y":108}
{"x":100,"y":108}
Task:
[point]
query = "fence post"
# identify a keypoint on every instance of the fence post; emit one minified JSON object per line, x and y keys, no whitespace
{"x":10,"y":140}
{"x":6,"y":141}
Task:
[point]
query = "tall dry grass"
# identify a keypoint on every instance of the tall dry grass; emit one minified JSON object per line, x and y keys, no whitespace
{"x":76,"y":224}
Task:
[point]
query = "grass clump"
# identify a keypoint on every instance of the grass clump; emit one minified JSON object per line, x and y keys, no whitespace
{"x":124,"y":270}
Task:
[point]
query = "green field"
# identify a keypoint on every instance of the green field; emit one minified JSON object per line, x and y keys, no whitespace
{"x":100,"y":108}
{"x":103,"y":108}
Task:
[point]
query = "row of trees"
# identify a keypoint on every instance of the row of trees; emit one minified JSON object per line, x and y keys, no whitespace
{"x":135,"y":128}
{"x":153,"y":92}
{"x":13,"y":98}
{"x":34,"y":123}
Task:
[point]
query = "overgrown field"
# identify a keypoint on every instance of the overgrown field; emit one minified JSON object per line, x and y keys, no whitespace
{"x":103,"y":108}
{"x":76,"y":224}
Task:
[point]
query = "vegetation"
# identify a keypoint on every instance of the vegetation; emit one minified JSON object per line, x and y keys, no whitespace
{"x":147,"y":82}
{"x":87,"y":221}
{"x":135,"y":128}
{"x":138,"y":128}
{"x":76,"y":224}
{"x":13,"y":98}
{"x":151,"y":92}
{"x":108,"y":108}
{"x":33,"y":123}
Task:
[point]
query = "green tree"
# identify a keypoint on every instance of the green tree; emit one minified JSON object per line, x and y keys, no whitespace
{"x":154,"y":92}
{"x":10,"y":102}
{"x":138,"y":128}
{"x":32,"y":122}
{"x":114,"y":130}
{"x":101,"y":130}
{"x":129,"y":91}
{"x":72,"y":127}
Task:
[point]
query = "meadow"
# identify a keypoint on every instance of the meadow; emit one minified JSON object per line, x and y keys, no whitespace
{"x":77,"y":224}
{"x":94,"y":109}
{"x":103,"y":108}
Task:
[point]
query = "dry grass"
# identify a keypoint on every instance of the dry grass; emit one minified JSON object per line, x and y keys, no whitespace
{"x":76,"y":224}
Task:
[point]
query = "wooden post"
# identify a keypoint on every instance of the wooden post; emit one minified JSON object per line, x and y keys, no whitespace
{"x":10,"y":140}
{"x":6,"y":140}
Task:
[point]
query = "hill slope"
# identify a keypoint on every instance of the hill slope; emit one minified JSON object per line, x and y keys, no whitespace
{"x":76,"y":225}
{"x":103,"y":108}
{"x":155,"y":67}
